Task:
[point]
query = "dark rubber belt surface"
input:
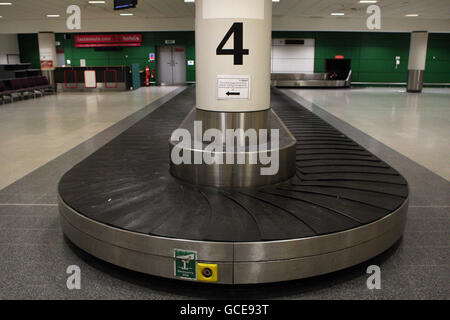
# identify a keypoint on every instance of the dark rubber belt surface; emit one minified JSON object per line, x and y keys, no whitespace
{"x":338,"y":186}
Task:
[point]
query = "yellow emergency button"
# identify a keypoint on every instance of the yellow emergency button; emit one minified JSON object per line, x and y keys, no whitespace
{"x":207,"y":272}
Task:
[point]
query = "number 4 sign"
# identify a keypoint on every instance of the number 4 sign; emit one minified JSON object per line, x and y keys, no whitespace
{"x":237,"y":30}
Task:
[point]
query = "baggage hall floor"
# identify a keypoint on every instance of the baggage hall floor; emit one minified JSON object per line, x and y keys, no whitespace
{"x":36,"y":131}
{"x":35,"y":151}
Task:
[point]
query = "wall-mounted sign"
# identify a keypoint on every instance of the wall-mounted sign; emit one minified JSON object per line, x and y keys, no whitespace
{"x":82,"y":62}
{"x":339,"y":56}
{"x":46,"y":54}
{"x":151,"y":57}
{"x":112,"y":44}
{"x":170,"y":42}
{"x":191,"y":62}
{"x":108,"y":40}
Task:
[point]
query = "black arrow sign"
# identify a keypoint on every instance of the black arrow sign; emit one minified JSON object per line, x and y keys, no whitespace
{"x":233,"y":93}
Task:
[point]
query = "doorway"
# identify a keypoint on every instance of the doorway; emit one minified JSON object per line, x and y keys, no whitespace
{"x":171,"y":65}
{"x":60,"y":59}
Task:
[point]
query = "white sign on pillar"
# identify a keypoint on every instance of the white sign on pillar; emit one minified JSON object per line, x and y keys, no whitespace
{"x":233,"y":87}
{"x":233,"y":42}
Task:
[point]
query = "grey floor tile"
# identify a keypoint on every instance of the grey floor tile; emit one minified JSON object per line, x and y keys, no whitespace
{"x":432,"y":294}
{"x":422,"y":256}
{"x":28,"y":222}
{"x":25,"y":210}
{"x":426,"y":239}
{"x":21,"y":197}
{"x":428,"y":277}
{"x":428,"y":212}
{"x":30,"y":236}
{"x":430,"y":225}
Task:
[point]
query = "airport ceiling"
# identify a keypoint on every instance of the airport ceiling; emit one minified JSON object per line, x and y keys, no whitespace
{"x":32,"y":9}
{"x":37,"y":10}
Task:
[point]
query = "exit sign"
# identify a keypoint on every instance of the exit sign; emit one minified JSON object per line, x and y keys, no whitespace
{"x":339,"y":56}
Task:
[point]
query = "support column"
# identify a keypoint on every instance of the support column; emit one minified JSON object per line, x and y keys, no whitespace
{"x":247,"y":145}
{"x":417,"y":60}
{"x":233,"y":41}
{"x":47,"y":54}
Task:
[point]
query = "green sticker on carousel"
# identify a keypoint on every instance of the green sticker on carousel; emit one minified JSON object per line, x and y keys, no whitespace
{"x":185,"y":264}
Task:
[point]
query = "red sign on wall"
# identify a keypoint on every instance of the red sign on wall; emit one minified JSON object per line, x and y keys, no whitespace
{"x":339,"y":56}
{"x":108,"y":40}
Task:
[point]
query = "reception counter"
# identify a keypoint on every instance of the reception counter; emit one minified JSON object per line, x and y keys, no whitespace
{"x":114,"y":78}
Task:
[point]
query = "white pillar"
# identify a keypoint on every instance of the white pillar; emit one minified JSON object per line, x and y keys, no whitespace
{"x":417,"y":60}
{"x":231,"y":78}
{"x":47,"y":50}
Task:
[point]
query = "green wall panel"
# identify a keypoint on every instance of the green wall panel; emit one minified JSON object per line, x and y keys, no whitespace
{"x":131,"y":55}
{"x":438,"y":58}
{"x":372,"y":53}
{"x":29,"y":49}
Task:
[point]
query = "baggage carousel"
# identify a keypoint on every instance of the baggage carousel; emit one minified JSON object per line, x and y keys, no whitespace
{"x":314,"y":80}
{"x":343,"y":206}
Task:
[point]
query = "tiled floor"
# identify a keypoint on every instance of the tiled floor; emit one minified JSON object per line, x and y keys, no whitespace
{"x":33,"y":132}
{"x":416,"y":125}
{"x":34,"y":255}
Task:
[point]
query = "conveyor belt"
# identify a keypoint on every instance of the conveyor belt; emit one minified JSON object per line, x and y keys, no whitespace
{"x":339,"y":186}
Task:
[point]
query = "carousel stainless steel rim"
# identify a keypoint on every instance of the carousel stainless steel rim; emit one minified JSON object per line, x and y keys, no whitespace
{"x":236,"y":175}
{"x":234,"y":120}
{"x":238,"y":262}
{"x":308,"y":80}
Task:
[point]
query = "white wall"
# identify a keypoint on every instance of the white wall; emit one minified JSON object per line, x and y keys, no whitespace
{"x":293,"y":58}
{"x":8,"y":45}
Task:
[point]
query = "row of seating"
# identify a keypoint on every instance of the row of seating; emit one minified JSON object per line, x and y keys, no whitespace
{"x":20,"y":88}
